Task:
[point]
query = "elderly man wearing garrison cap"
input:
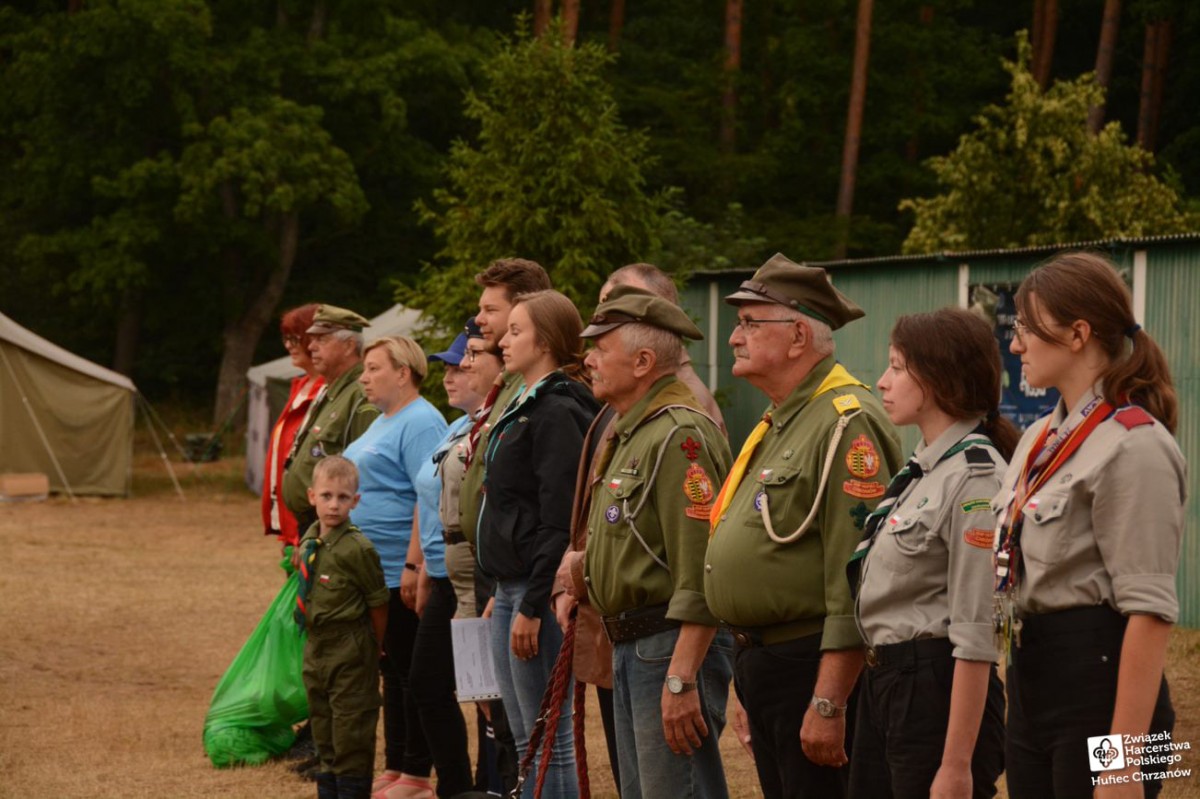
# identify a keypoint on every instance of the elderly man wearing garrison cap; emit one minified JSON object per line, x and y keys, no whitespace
{"x":651,"y":494}
{"x":786,"y":522}
{"x":340,"y":414}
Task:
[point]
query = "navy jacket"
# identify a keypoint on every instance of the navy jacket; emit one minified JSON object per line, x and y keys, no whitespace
{"x":529,"y":484}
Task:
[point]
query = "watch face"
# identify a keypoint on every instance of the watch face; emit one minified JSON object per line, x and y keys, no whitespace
{"x":674,"y":684}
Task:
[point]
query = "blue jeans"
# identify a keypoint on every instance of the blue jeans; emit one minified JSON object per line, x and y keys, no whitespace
{"x":522,"y":684}
{"x":648,"y":766}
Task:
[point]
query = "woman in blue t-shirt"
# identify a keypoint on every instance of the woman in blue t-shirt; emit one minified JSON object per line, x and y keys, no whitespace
{"x":388,"y":456}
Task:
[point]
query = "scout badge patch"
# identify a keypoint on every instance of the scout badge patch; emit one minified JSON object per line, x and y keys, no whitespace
{"x":698,"y":488}
{"x":862,"y":461}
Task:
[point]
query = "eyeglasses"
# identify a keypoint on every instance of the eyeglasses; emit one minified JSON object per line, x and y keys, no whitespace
{"x":1019,"y":329}
{"x":291,"y":341}
{"x":747,"y":324}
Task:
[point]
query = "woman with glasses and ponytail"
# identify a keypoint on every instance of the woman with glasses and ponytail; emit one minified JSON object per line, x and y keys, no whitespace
{"x":1090,"y":520}
{"x":930,"y":718}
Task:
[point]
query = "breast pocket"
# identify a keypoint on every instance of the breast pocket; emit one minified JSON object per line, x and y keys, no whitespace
{"x":1043,"y":534}
{"x":905,"y":536}
{"x":786,"y":496}
{"x":621,"y":497}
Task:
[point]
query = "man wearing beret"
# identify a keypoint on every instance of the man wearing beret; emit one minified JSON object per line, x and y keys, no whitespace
{"x":340,"y":414}
{"x":786,"y":522}
{"x":652,"y":491}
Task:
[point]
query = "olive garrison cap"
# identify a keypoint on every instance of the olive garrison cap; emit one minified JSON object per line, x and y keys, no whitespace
{"x":626,"y":304}
{"x":806,"y":289}
{"x":330,"y":318}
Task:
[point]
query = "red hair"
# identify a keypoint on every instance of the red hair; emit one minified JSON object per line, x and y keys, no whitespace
{"x":298,"y":320}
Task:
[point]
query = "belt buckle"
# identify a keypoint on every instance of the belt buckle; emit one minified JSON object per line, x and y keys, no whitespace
{"x":872,"y":657}
{"x":743,"y":639}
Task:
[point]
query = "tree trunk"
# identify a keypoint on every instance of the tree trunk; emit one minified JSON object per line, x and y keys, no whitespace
{"x":733,"y":66}
{"x":616,"y":24}
{"x":316,"y":26}
{"x":74,"y":6}
{"x":854,"y":118}
{"x":241,"y":335}
{"x":570,"y":13}
{"x":129,"y":325}
{"x":541,"y":16}
{"x":1104,"y":60}
{"x":1154,"y":64}
{"x":1045,"y":24}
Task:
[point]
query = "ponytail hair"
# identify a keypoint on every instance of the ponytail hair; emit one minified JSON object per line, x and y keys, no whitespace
{"x":1086,"y":286}
{"x":557,"y":324}
{"x":955,"y":357}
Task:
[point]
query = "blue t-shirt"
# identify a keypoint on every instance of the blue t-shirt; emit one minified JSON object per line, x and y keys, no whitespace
{"x":429,"y":498}
{"x":388,"y":456}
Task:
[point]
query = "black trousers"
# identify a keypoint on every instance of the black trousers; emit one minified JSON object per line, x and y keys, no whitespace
{"x":1062,"y":686}
{"x":775,"y":683}
{"x":404,"y":745}
{"x":433,"y":686}
{"x":900,"y":731}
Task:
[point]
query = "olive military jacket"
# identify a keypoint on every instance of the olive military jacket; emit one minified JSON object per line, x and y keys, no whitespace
{"x":1106,"y":529}
{"x":340,"y":415}
{"x":348,"y":577}
{"x":667,"y":463}
{"x":751,"y":581}
{"x":929,"y":571}
{"x":470,"y":496}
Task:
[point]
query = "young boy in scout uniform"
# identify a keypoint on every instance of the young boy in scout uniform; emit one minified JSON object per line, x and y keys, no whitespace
{"x":342,"y":587}
{"x":340,"y":413}
{"x":787,"y":521}
{"x":652,"y":493}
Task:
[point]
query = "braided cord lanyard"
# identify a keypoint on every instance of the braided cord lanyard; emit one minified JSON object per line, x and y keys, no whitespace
{"x":546,"y":725}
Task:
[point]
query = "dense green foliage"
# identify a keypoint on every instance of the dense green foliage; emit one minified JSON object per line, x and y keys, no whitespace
{"x":1030,"y":173}
{"x":555,"y":177}
{"x":173,"y":173}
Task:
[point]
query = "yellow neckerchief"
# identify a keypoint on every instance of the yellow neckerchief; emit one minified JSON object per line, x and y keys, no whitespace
{"x":838,"y":377}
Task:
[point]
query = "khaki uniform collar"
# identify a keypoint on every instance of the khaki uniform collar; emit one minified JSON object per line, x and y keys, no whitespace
{"x":667,"y":390}
{"x":350,"y":376}
{"x":1062,"y":414}
{"x":335,"y":535}
{"x":801,"y":394}
{"x":929,"y":455}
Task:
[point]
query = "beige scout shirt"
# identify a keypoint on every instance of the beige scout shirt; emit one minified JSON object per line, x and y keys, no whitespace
{"x":460,"y":560}
{"x":929,"y":571}
{"x":1106,"y":529}
{"x":751,"y":581}
{"x":470,"y":498}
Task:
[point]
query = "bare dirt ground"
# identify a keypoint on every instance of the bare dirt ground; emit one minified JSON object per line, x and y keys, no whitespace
{"x":119,"y":617}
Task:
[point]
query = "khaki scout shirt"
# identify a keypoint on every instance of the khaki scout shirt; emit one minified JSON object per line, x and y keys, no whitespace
{"x":451,"y":470}
{"x":470,"y":498}
{"x":929,"y":571}
{"x":750,"y":581}
{"x":339,"y":416}
{"x":1107,"y":527}
{"x":348,"y":577}
{"x":669,"y":501}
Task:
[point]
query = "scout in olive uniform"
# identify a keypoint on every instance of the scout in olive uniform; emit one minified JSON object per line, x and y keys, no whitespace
{"x":339,"y":415}
{"x":930,"y":716}
{"x":786,"y":522}
{"x":652,"y":493}
{"x":1090,"y":526}
{"x":343,"y":603}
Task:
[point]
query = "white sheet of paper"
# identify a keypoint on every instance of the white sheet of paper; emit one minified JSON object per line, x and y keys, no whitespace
{"x":474,"y":672}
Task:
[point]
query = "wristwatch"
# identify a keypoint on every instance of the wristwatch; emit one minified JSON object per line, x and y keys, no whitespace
{"x":678,"y":685}
{"x":827,"y":708}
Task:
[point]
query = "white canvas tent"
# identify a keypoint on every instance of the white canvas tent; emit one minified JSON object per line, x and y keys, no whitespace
{"x":270,"y":383}
{"x":63,"y":416}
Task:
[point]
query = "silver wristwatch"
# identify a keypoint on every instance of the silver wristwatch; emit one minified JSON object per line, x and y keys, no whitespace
{"x":678,"y":685}
{"x":827,"y":708}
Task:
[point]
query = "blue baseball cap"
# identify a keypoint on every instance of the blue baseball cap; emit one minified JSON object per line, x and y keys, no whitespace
{"x":453,"y":355}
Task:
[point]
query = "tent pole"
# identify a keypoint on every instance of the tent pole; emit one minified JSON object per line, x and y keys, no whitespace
{"x":152,"y":417}
{"x":37,"y":425}
{"x":162,"y":453}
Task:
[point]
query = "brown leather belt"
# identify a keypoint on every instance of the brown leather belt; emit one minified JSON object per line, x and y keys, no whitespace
{"x":453,"y":537}
{"x":747,"y":637}
{"x":634,"y":624}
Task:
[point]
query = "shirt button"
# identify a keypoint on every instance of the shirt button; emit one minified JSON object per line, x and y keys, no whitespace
{"x":587,"y":580}
{"x":708,"y":567}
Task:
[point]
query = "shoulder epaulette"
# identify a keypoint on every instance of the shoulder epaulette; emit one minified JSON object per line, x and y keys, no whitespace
{"x":845,"y":403}
{"x":1133,"y":416}
{"x":979,"y":456}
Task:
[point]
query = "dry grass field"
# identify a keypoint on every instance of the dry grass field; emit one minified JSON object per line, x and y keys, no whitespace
{"x":119,"y":617}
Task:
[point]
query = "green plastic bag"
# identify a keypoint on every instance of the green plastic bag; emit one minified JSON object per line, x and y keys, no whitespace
{"x":261,"y":696}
